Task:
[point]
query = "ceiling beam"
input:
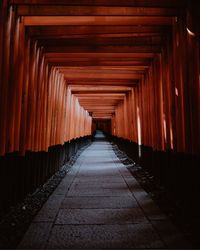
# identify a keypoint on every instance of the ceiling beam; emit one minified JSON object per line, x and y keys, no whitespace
{"x":55,"y":31}
{"x":59,"y":63}
{"x":96,"y":76}
{"x":102,"y":118}
{"x":136,"y":3}
{"x":99,"y":41}
{"x":100,"y":98}
{"x":105,"y":68}
{"x":100,"y":95}
{"x":97,"y":55}
{"x":97,"y":70}
{"x":101,"y":62}
{"x":100,"y":82}
{"x":55,"y":10}
{"x":103,"y":49}
{"x":97,"y":20}
{"x":98,"y":88}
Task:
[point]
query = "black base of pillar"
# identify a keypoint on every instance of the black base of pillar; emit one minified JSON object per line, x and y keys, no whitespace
{"x":21,"y":175}
{"x":177,"y":172}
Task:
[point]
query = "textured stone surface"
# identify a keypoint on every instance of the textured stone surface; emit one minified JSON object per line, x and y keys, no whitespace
{"x":146,"y":203}
{"x":104,"y":236}
{"x":99,"y":204}
{"x":100,"y":216}
{"x":103,"y":185}
{"x":96,"y":191}
{"x":36,"y":237}
{"x":99,"y":179}
{"x":49,"y":210}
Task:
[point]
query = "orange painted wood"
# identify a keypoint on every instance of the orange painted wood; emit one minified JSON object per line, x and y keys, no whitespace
{"x":96,"y":31}
{"x":6,"y":27}
{"x":19,"y":79}
{"x":132,"y":73}
{"x":96,"y":20}
{"x":49,"y":10}
{"x":141,"y":3}
{"x":107,"y":55}
{"x":12,"y":84}
{"x":24,"y":112}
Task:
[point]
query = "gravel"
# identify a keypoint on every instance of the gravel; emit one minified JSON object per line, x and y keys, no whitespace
{"x":14,"y":224}
{"x":164,"y":199}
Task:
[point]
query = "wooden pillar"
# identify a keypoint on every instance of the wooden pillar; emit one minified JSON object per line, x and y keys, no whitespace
{"x":6,"y":28}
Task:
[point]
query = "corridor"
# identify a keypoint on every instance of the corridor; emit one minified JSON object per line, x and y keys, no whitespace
{"x":99,"y":204}
{"x":129,"y":68}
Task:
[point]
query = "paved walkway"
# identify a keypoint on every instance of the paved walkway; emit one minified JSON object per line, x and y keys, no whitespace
{"x":99,"y":204}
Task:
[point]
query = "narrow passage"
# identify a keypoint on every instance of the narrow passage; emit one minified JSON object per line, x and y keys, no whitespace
{"x":99,"y":204}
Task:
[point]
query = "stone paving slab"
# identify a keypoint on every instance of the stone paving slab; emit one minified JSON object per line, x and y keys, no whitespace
{"x":100,"y":216}
{"x":98,"y":179}
{"x":99,"y":202}
{"x":100,"y":175}
{"x":49,"y":210}
{"x":150,"y":209}
{"x":104,"y":236}
{"x":98,"y":192}
{"x":68,"y":179}
{"x":82,"y":185}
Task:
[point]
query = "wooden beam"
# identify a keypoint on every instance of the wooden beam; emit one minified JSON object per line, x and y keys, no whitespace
{"x":96,"y":20}
{"x":94,"y":62}
{"x":55,"y":10}
{"x":102,"y":117}
{"x":103,"y":49}
{"x":88,"y":106}
{"x":136,"y":3}
{"x":60,"y":63}
{"x":94,"y":109}
{"x":119,"y":69}
{"x":100,"y":98}
{"x":57,"y":31}
{"x":98,"y":88}
{"x":97,"y":36}
{"x":95,"y":55}
{"x":104,"y":68}
{"x":100,"y":95}
{"x":76,"y":92}
{"x":137,"y":61}
{"x":108,"y":82}
{"x":90,"y":101}
{"x":104,"y":112}
{"x":99,"y":41}
{"x":96,"y":76}
{"x":98,"y":70}
{"x":100,"y":111}
{"x":99,"y":107}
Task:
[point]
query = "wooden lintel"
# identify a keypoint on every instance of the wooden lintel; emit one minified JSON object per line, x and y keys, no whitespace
{"x":94,"y":77}
{"x":101,"y":41}
{"x":135,"y":3}
{"x":107,"y":82}
{"x":103,"y":49}
{"x":55,"y":10}
{"x":62,"y":31}
{"x":97,"y":20}
{"x":96,"y":54}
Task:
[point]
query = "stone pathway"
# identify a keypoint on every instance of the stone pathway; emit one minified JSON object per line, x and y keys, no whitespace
{"x":99,"y":204}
